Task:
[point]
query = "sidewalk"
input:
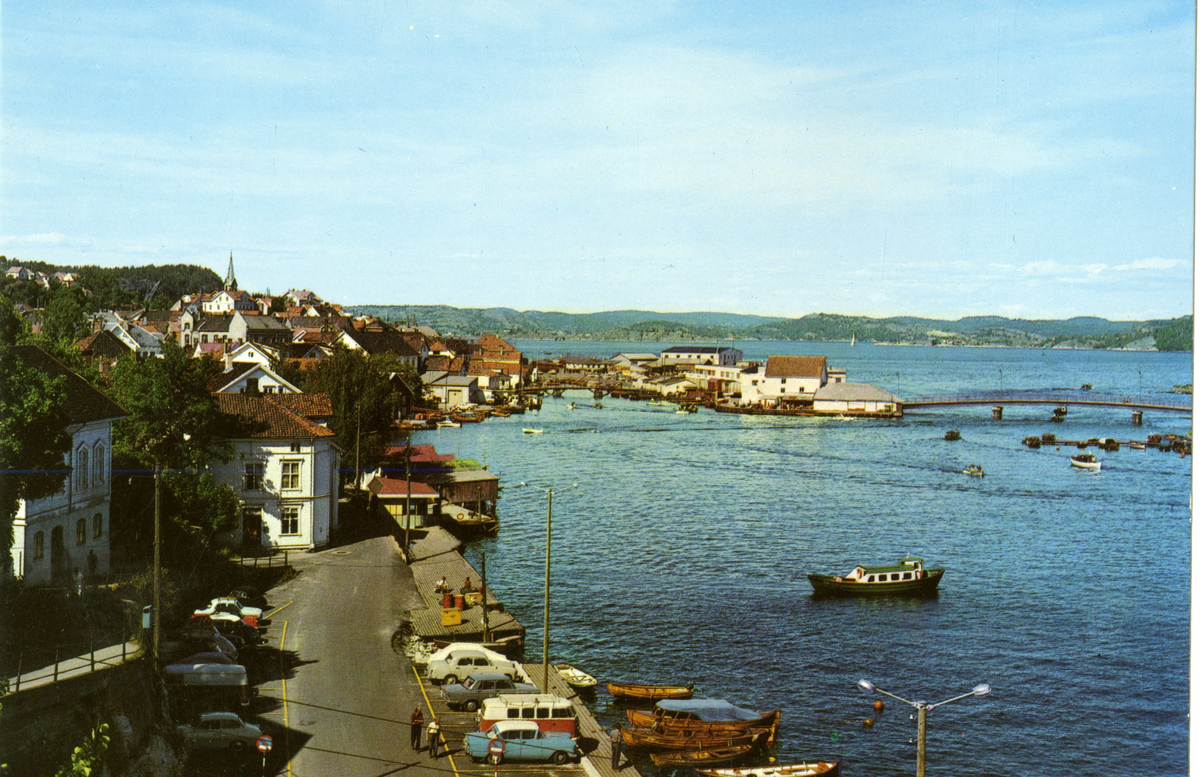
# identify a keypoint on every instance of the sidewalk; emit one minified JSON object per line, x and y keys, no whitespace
{"x":76,"y":666}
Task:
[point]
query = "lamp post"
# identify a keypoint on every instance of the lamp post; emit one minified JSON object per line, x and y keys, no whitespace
{"x":923,"y":708}
{"x":546,"y":603}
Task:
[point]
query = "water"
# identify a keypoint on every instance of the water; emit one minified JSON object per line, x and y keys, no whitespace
{"x":682,"y":554}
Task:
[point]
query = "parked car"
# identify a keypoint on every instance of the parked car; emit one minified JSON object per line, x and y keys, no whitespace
{"x":442,"y":653}
{"x":471,"y":692}
{"x":205,"y":632}
{"x":249,"y":596}
{"x":462,"y":663}
{"x":522,"y":741}
{"x":210,"y":657}
{"x":228,"y":604}
{"x":220,"y":730}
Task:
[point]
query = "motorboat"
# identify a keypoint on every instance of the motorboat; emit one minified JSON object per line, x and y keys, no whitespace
{"x":530,"y":430}
{"x":1086,"y":461}
{"x":907,"y":577}
{"x":974,"y":470}
{"x":576,"y":678}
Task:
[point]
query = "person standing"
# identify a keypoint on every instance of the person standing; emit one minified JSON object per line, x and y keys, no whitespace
{"x":417,"y":722}
{"x":617,"y":743}
{"x":435,"y":731}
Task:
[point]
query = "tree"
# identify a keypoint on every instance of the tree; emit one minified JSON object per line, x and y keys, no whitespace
{"x":364,"y":402}
{"x":34,"y":441}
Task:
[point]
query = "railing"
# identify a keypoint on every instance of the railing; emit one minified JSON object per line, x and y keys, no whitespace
{"x":265,"y":562}
{"x":74,"y":665}
{"x":1178,"y":403}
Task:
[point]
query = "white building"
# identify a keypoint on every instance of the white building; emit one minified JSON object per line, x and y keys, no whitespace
{"x":784,"y":379}
{"x":66,"y":538}
{"x":853,"y":399}
{"x":701,"y":354}
{"x":286,"y":472}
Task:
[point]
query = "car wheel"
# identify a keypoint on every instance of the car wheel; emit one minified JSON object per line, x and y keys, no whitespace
{"x":470,"y":705}
{"x":450,"y":679}
{"x":559,"y":758}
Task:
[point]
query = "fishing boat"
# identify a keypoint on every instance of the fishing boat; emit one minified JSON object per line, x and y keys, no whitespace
{"x":707,"y":757}
{"x":953,"y":435}
{"x":530,"y":430}
{"x":804,"y":769}
{"x":686,"y":739}
{"x":715,"y":715}
{"x":576,"y":678}
{"x":974,"y":470}
{"x":650,"y":692}
{"x":908,"y":577}
{"x":1085,"y":461}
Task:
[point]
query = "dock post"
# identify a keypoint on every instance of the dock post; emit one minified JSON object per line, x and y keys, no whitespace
{"x":998,"y":412}
{"x":1137,"y":417}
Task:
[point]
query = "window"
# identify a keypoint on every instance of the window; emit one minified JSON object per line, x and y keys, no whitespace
{"x":291,"y":476}
{"x":98,"y":465}
{"x":295,"y":447}
{"x":870,"y":578}
{"x":907,"y":576}
{"x":81,"y":531}
{"x":251,"y":385}
{"x":39,"y":545}
{"x":895,"y":575}
{"x":289,"y":519}
{"x":82,"y":475}
{"x":254,"y":476}
{"x":98,"y":525}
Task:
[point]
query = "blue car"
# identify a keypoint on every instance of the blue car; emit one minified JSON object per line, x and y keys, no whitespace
{"x":520,"y":740}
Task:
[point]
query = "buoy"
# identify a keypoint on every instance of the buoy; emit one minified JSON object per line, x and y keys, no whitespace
{"x":879,"y":704}
{"x":868,"y":722}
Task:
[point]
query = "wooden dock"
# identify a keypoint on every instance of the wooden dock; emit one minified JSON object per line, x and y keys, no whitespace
{"x":435,"y":556}
{"x":593,"y":740}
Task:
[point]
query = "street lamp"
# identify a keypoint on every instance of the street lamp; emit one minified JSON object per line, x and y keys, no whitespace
{"x":923,"y":708}
{"x":546,"y":605}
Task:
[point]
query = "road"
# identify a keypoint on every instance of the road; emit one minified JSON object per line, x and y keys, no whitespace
{"x":339,"y":701}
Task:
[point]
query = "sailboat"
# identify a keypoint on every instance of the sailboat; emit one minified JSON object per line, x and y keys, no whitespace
{"x":851,"y":339}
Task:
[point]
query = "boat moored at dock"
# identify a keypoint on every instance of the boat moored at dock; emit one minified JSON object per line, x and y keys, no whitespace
{"x":715,"y":715}
{"x":907,"y":577}
{"x":650,"y":692}
{"x":805,"y":769}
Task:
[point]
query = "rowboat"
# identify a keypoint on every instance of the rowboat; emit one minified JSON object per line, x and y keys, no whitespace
{"x":650,"y":692}
{"x":907,"y":577}
{"x":807,"y":769}
{"x":714,"y":715}
{"x":716,"y":755}
{"x":576,"y":678}
{"x":976,"y":471}
{"x":1086,"y":461}
{"x":686,"y":739}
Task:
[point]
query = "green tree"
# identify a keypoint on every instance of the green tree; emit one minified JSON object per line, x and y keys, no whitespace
{"x":34,"y":441}
{"x":364,"y":399}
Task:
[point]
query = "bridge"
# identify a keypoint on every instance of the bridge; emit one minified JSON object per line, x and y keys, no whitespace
{"x":1176,"y":403}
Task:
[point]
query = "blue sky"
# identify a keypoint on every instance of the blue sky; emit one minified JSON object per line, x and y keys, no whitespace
{"x":914,"y":158}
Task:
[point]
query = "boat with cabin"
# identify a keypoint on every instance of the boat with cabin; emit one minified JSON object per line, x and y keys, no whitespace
{"x":650,"y":692}
{"x":907,"y":577}
{"x":1086,"y":461}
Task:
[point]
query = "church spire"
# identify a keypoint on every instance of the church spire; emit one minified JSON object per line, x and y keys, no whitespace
{"x":230,"y":280}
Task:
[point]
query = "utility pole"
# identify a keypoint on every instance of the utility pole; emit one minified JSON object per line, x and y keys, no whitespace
{"x":157,"y":638}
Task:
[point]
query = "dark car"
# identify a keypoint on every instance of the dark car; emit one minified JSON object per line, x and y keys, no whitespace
{"x":471,"y":692}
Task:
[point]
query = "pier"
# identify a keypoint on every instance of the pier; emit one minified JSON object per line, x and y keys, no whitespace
{"x":1175,"y":403}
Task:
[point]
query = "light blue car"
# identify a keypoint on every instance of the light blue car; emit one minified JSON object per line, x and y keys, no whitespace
{"x":520,"y":740}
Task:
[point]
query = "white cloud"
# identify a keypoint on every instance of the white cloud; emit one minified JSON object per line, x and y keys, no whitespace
{"x":1153,"y":263}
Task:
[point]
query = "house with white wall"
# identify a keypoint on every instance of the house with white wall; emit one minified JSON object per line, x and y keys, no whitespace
{"x":701,"y":354}
{"x":285,"y":473}
{"x":784,"y":379}
{"x":65,"y":538}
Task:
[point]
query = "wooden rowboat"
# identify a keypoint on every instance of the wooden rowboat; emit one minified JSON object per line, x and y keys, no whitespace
{"x":670,"y":717}
{"x":576,"y":678}
{"x":808,"y":769}
{"x":716,"y":755}
{"x":686,"y":739}
{"x":650,"y":692}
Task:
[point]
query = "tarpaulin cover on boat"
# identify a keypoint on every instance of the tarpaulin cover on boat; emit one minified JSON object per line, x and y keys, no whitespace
{"x":708,"y":710}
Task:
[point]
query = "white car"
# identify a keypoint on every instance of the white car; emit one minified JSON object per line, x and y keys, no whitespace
{"x":220,"y":730}
{"x":461,"y":663}
{"x":230,"y":605}
{"x":442,"y":653}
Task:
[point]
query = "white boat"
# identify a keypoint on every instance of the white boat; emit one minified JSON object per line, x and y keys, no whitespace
{"x":528,"y":430}
{"x":446,"y":423}
{"x":974,"y":470}
{"x":1086,"y":461}
{"x":576,"y":678}
{"x":811,"y":769}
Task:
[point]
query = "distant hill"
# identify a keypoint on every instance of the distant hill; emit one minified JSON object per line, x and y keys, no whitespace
{"x":636,"y":325}
{"x":114,"y":287}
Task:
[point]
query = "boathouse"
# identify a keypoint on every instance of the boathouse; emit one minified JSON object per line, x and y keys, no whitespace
{"x":854,"y":399}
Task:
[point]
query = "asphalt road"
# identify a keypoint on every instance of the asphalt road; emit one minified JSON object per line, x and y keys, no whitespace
{"x":338,"y":701}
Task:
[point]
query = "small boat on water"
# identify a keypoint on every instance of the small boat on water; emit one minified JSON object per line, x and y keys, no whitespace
{"x":650,"y":692}
{"x":908,"y":577}
{"x":953,"y":435}
{"x":687,"y":739}
{"x":657,"y":403}
{"x":529,"y":430}
{"x":1086,"y":461}
{"x":1138,"y":446}
{"x":714,"y":715}
{"x":805,"y":769}
{"x":706,"y":757}
{"x":974,"y":470}
{"x":576,"y":678}
{"x":446,"y":423}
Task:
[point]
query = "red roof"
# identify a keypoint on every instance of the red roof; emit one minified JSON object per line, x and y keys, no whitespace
{"x":394,"y":487}
{"x":274,"y":420}
{"x":421,"y":454}
{"x":795,"y":366}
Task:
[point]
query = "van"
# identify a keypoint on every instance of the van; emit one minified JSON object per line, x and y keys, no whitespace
{"x":550,"y":712}
{"x":218,"y":682}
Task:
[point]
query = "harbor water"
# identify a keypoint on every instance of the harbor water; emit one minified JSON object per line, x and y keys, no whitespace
{"x":682,"y":554}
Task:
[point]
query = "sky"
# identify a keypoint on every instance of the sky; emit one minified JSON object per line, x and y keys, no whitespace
{"x":1030,"y":160}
